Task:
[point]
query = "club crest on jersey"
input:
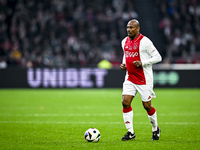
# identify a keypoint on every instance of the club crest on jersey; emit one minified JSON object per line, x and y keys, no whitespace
{"x":135,"y":47}
{"x":131,"y":54}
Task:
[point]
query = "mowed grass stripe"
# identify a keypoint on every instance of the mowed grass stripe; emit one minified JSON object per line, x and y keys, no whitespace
{"x":54,"y":122}
{"x":99,"y":114}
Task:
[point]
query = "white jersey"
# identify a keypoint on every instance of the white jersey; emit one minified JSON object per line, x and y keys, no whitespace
{"x":141,"y":49}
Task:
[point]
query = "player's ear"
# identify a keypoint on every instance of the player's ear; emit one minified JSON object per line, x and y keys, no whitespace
{"x":138,"y":28}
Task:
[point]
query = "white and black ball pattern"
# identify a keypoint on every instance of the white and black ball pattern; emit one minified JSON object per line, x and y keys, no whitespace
{"x":92,"y":135}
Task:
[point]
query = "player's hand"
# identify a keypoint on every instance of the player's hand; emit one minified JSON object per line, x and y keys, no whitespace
{"x":137,"y":63}
{"x":123,"y":66}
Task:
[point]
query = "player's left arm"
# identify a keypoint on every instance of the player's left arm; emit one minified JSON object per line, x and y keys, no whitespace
{"x":155,"y":56}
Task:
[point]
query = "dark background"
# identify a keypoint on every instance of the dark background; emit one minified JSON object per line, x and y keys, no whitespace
{"x":17,"y":78}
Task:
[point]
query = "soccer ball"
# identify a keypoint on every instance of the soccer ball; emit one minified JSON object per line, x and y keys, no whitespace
{"x":92,"y":135}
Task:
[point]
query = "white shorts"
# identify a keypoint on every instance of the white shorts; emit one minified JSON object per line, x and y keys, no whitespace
{"x":146,"y":91}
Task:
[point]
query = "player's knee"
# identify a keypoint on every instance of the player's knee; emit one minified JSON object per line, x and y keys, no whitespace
{"x":147,"y":106}
{"x":125,"y":103}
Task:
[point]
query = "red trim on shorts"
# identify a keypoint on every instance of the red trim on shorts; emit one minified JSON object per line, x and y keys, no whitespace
{"x":151,"y":112}
{"x":126,"y":110}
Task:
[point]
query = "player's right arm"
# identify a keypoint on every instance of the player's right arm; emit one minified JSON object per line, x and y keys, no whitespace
{"x":123,"y":65}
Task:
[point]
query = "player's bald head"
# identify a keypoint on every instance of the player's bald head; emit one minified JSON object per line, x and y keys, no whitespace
{"x":134,"y":22}
{"x":133,"y":28}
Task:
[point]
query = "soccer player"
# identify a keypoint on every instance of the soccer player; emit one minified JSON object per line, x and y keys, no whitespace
{"x":139,"y":55}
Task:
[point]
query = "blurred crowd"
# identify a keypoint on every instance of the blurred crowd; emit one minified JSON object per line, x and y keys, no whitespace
{"x":66,"y":33}
{"x":181,"y":26}
{"x":62,"y":33}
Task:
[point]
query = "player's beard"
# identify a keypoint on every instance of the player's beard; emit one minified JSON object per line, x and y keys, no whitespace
{"x":132,"y":36}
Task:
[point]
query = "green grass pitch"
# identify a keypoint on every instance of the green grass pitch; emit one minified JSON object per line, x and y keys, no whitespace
{"x":57,"y":119}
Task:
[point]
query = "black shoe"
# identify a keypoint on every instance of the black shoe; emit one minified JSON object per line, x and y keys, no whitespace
{"x":156,"y":134}
{"x":128,"y":136}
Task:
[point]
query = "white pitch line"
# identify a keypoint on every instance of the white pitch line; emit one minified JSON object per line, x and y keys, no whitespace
{"x":52,"y":115}
{"x":98,"y":114}
{"x":54,"y":122}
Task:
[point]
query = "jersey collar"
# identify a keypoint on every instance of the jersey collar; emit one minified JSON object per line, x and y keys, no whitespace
{"x":135,"y":40}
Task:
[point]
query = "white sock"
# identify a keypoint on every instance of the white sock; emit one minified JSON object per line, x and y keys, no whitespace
{"x":153,"y":120}
{"x":128,"y":119}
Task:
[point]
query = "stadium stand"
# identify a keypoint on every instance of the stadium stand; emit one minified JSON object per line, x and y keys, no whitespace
{"x":180,"y":22}
{"x":60,"y":33}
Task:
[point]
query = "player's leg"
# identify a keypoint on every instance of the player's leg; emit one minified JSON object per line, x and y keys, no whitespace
{"x":128,"y":117}
{"x":151,"y":111}
{"x":152,"y":115}
{"x":128,"y":112}
{"x":128,"y":94}
{"x":147,"y":93}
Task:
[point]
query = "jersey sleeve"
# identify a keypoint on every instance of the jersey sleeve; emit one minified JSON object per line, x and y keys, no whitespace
{"x":155,"y":56}
{"x":122,"y":44}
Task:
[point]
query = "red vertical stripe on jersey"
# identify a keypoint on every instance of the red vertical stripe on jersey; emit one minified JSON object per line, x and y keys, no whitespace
{"x":132,"y":53}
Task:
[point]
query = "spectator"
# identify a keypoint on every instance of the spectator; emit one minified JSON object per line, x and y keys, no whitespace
{"x":59,"y":33}
{"x":180,"y":25}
